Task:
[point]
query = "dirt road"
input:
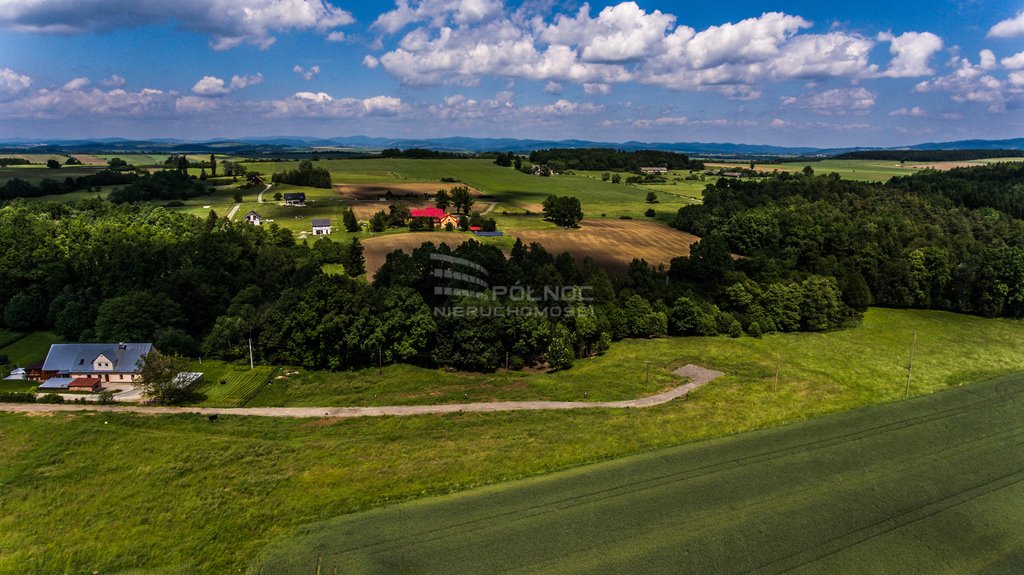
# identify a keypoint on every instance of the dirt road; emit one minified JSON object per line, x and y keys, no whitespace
{"x":698,"y":376}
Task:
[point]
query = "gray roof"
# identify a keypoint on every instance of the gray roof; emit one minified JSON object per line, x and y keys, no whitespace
{"x":321,"y":223}
{"x":253,"y":213}
{"x":295,"y":196}
{"x":78,"y":357}
{"x":56,"y":383}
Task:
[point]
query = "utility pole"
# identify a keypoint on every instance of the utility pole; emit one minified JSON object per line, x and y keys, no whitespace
{"x":778,"y":368}
{"x":250,"y":353}
{"x":910,"y":366}
{"x":380,"y":360}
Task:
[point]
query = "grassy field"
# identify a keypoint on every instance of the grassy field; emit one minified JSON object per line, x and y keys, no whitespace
{"x":27,"y":350}
{"x":863,"y":170}
{"x":186,"y":495}
{"x":239,"y":385}
{"x":835,"y":370}
{"x":933,"y":485}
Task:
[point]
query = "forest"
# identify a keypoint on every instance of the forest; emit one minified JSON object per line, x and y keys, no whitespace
{"x":927,"y":155}
{"x":792,"y":252}
{"x":608,"y":159}
{"x":935,"y":240}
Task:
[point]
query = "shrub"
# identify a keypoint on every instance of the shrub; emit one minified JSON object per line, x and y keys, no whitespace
{"x":650,"y":213}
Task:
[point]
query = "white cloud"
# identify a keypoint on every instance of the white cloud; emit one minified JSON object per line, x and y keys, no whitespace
{"x":987,"y":60}
{"x":214,"y":86}
{"x":306,"y":75}
{"x":370,"y":62}
{"x":338,"y":36}
{"x":1009,"y":28}
{"x":592,"y":89}
{"x":553,"y":87}
{"x":620,"y":33}
{"x":1015,"y":62}
{"x":323,"y":105}
{"x":911,"y":52}
{"x":12,"y":83}
{"x":969,"y":83}
{"x":228,"y":22}
{"x":835,"y":102}
{"x":565,"y":107}
{"x":113,"y":81}
{"x":437,"y":12}
{"x":675,"y":121}
{"x":625,"y":43}
{"x":779,"y":123}
{"x":916,"y":112}
{"x":46,"y":104}
{"x":75,"y":84}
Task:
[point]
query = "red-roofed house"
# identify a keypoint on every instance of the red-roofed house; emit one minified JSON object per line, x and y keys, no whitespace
{"x":436,"y":213}
{"x":475,"y":228}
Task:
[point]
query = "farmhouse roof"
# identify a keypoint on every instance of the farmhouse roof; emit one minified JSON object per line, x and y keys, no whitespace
{"x":56,"y":383}
{"x":78,"y":357}
{"x":436,"y":213}
{"x":253,"y":213}
{"x":475,"y":228}
{"x":321,"y":223}
{"x":293,"y":196}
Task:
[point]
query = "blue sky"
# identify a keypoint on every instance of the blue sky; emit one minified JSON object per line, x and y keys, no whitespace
{"x":786,"y":73}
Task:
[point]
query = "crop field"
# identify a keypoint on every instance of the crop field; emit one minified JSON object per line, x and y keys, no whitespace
{"x":206,"y":497}
{"x":614,"y":243}
{"x":239,"y":383}
{"x":376,"y":248}
{"x":875,"y":490}
{"x":864,"y":170}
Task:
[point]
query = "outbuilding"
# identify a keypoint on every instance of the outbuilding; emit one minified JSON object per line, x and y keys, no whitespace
{"x":321,"y":226}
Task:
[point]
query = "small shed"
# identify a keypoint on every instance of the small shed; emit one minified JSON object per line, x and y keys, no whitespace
{"x":256,"y":180}
{"x":18,"y":374}
{"x":90,"y":384}
{"x":321,"y":226}
{"x":475,"y":228}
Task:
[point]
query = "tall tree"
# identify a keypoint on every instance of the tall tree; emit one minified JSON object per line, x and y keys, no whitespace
{"x":442,"y":200}
{"x":213,"y":164}
{"x":160,"y":377}
{"x":348,"y":219}
{"x":355,"y":264}
{"x":461,"y":199}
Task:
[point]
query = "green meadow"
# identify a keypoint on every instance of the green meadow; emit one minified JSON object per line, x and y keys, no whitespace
{"x":931,"y":485}
{"x":181,"y":494}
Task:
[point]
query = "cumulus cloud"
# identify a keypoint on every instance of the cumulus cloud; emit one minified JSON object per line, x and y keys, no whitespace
{"x":214,"y":86}
{"x":229,"y":23}
{"x":46,"y":104}
{"x":75,"y":84}
{"x":553,"y":87}
{"x":323,"y":105}
{"x":12,"y":83}
{"x":565,"y":107}
{"x":911,"y":52}
{"x":675,"y":121}
{"x":306,"y":75}
{"x":625,"y":43}
{"x":437,"y":12}
{"x":592,"y":89}
{"x":1015,"y":62}
{"x":973,"y":83}
{"x":337,"y":36}
{"x":916,"y":112}
{"x":1009,"y":28}
{"x":113,"y":81}
{"x":835,"y":102}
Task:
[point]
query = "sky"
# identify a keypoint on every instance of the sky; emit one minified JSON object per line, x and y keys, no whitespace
{"x":799,"y":73}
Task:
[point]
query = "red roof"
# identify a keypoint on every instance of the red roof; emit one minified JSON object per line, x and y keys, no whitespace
{"x":475,"y":228}
{"x":436,"y":213}
{"x":88,"y":382}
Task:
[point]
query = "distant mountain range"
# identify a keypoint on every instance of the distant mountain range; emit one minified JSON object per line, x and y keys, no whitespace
{"x":285,"y":145}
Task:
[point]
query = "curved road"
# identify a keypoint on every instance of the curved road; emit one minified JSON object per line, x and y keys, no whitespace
{"x":698,"y":376}
{"x":259,"y":198}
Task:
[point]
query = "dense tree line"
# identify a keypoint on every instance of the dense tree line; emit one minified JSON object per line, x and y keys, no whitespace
{"x":943,"y":240}
{"x":18,"y":188}
{"x":162,"y":185}
{"x":928,"y":155}
{"x":4,"y":162}
{"x":614,"y":160}
{"x":422,"y":154}
{"x":305,"y":175}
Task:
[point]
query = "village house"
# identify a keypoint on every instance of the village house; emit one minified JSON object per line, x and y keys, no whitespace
{"x":255,"y":180}
{"x":112,"y":363}
{"x":295,"y":199}
{"x":253,"y":218}
{"x":653,"y":170}
{"x":449,"y":219}
{"x":321,"y":226}
{"x":439,"y":217}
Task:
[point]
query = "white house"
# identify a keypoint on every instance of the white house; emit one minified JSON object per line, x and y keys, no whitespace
{"x":654,"y":170}
{"x":253,"y":218}
{"x":321,"y":226}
